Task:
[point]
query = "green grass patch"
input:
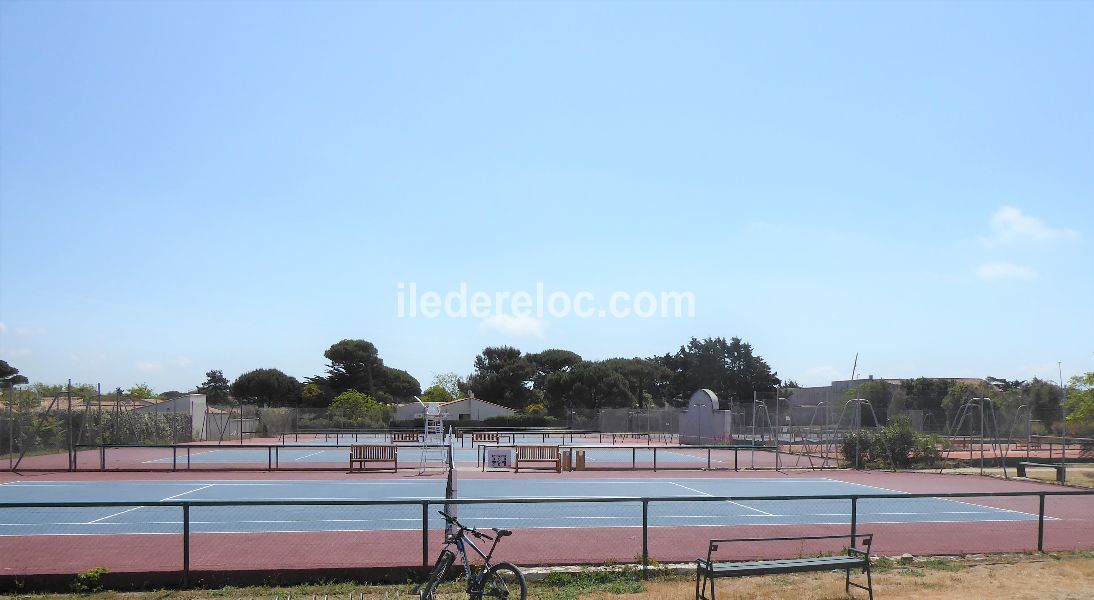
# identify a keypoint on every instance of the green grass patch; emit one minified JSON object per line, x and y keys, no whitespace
{"x":568,"y":586}
{"x":952,"y":566}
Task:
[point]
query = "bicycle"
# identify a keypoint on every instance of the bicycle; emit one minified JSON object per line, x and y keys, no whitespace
{"x":502,"y":580}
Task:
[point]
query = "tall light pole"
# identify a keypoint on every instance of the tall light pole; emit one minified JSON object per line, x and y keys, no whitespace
{"x":1063,"y":411}
{"x":778,"y":427}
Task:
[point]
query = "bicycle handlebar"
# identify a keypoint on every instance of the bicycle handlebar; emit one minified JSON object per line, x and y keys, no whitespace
{"x":474,"y":532}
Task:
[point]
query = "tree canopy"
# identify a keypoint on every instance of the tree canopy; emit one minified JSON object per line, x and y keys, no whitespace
{"x":356,"y":365}
{"x":9,"y":376}
{"x":729,"y":369}
{"x":216,"y":387}
{"x":1080,"y":404}
{"x":436,"y":393}
{"x":502,"y":375}
{"x":267,"y":386}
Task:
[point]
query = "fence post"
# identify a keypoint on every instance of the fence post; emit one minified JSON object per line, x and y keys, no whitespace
{"x":185,"y":545}
{"x":1041,"y":523}
{"x":425,"y":534}
{"x":645,"y":538}
{"x":854,"y":520}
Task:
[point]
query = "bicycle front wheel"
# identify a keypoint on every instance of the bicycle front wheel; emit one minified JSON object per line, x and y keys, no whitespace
{"x":504,"y":580}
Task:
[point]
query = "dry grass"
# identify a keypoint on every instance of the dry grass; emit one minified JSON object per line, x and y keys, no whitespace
{"x":1067,"y":576}
{"x":1078,"y":475}
{"x":1039,"y":577}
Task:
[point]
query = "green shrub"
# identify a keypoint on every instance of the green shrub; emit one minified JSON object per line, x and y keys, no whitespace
{"x":896,"y":445}
{"x":89,"y":581}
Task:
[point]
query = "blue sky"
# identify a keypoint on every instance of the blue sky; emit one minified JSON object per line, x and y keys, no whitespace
{"x":190,"y":186}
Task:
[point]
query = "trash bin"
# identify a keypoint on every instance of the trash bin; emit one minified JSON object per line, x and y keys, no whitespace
{"x":566,"y":461}
{"x":579,"y":460}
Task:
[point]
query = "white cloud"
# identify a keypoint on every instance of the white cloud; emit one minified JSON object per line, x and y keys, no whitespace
{"x":17,"y":353}
{"x":514,"y":326}
{"x":1004,"y":271}
{"x":149,"y":366}
{"x":1010,"y":224}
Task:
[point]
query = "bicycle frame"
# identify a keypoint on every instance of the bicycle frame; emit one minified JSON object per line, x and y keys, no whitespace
{"x":476,"y":582}
{"x":461,"y":541}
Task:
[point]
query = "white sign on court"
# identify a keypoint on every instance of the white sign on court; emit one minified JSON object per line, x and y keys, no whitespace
{"x":499,"y":458}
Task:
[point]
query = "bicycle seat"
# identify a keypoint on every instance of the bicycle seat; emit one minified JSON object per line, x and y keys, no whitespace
{"x":502,"y":532}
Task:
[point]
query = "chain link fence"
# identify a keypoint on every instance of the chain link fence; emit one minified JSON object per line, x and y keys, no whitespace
{"x":190,"y":542}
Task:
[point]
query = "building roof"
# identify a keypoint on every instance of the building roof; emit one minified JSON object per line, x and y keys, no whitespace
{"x":480,"y":400}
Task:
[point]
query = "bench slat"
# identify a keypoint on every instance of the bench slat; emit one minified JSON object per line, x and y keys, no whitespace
{"x":827,"y":561}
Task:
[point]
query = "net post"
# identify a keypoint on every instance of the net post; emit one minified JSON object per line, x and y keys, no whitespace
{"x":854,"y":521}
{"x":185,"y":545}
{"x":1041,"y":523}
{"x":425,"y":533}
{"x":645,"y":538}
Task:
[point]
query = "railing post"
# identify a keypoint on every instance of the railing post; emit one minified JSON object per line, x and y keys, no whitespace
{"x":425,"y":534}
{"x":185,"y":545}
{"x":645,"y":538}
{"x":1041,"y":523}
{"x":854,"y":521}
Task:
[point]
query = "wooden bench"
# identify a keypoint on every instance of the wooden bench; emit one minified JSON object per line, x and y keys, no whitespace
{"x":483,"y":437}
{"x":1061,"y":469}
{"x":538,"y":454}
{"x":363,"y":454}
{"x":856,"y":558}
{"x":406,"y":436}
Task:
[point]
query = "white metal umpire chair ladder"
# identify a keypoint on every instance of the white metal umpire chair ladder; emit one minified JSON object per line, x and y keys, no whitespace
{"x":434,"y":451}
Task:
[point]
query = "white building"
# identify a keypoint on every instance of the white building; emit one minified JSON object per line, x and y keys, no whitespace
{"x":464,"y":409}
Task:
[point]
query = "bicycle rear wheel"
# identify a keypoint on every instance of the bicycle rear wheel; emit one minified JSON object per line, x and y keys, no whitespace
{"x":504,"y":580}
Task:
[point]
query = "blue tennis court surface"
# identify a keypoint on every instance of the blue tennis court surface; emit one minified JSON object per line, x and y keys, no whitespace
{"x":232,"y":519}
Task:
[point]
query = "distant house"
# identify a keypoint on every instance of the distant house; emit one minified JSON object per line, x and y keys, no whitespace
{"x":188,"y":404}
{"x":464,"y":409}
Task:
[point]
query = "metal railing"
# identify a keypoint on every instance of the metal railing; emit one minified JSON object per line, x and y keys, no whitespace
{"x":645,"y":501}
{"x":184,"y":452}
{"x":674,"y":450}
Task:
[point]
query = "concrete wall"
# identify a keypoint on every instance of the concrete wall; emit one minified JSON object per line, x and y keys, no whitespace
{"x":705,"y":422}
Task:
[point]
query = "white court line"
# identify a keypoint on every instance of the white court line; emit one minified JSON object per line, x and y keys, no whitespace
{"x":157,"y":461}
{"x":312,"y":454}
{"x":188,"y":492}
{"x":108,"y":516}
{"x":965,"y":502}
{"x":762,"y":512}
